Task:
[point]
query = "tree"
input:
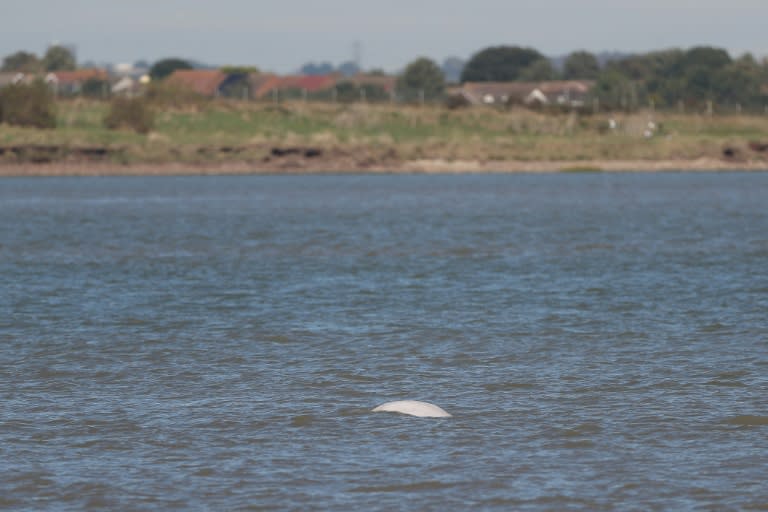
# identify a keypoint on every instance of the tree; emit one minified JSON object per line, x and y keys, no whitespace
{"x":706,"y":57}
{"x":699,"y":84}
{"x":738,"y":84}
{"x":236,"y":85}
{"x":658,"y":74}
{"x":165,"y":67}
{"x":22,"y":61}
{"x":539,"y":71}
{"x":699,"y":69}
{"x":423,"y":75}
{"x":95,"y":88}
{"x":499,"y":64}
{"x":349,"y":92}
{"x":615,"y":91}
{"x":373,"y":92}
{"x":581,"y":65}
{"x":130,"y":114}
{"x":690,"y":77}
{"x":239,"y":70}
{"x":58,"y":58}
{"x":346,"y":92}
{"x":28,"y":105}
{"x":649,"y":65}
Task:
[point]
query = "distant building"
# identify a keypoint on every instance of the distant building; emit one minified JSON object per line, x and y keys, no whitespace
{"x":566,"y":93}
{"x":570,"y":93}
{"x":68,"y":83}
{"x":122,"y":70}
{"x":12,"y":77}
{"x":212,"y":83}
{"x":127,"y":86}
{"x":207,"y":82}
{"x":218,"y":83}
{"x":494,"y":93}
{"x":261,"y":84}
{"x":292,"y":85}
{"x":386,"y":82}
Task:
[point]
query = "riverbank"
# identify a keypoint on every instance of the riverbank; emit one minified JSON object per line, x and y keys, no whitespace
{"x":226,"y":137}
{"x":349,"y":166}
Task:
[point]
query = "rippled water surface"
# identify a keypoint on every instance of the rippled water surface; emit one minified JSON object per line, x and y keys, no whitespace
{"x":217,"y":343}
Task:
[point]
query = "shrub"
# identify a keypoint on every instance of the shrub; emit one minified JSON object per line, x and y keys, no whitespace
{"x":165,"y":67}
{"x":95,"y":88}
{"x":28,"y":105}
{"x":169,"y":96}
{"x":130,"y":113}
{"x":454,"y":101}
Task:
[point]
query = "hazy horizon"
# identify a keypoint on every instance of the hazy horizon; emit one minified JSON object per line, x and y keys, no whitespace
{"x":282,"y":36}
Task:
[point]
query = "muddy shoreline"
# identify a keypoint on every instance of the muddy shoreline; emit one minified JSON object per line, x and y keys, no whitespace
{"x":349,"y":165}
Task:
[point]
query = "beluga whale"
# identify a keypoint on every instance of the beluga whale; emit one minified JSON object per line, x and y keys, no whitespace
{"x":413,"y":408}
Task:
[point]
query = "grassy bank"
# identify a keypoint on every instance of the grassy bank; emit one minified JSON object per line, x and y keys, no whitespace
{"x":247,"y":134}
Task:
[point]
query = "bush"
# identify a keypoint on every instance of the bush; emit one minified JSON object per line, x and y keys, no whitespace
{"x":95,"y":88}
{"x":454,"y":101}
{"x":28,"y":105}
{"x":170,"y":96}
{"x":130,"y":113}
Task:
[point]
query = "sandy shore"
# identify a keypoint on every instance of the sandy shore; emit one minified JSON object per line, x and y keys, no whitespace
{"x":341,"y":166}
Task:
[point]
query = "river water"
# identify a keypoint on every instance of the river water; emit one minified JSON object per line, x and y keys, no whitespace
{"x":217,"y":343}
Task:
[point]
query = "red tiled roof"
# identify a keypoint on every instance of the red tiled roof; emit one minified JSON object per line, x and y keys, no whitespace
{"x":310,"y":83}
{"x":556,"y":86}
{"x":482,"y":92}
{"x":264,"y":84}
{"x":79,"y":75}
{"x":477,"y":91}
{"x":387,"y":83}
{"x":202,"y":81}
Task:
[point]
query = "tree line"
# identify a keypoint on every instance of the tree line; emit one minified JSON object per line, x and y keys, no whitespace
{"x":673,"y":78}
{"x":693,"y":78}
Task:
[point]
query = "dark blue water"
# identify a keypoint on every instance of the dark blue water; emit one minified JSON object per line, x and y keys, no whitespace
{"x":217,"y":343}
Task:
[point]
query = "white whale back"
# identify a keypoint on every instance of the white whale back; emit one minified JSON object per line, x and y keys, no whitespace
{"x":413,"y":408}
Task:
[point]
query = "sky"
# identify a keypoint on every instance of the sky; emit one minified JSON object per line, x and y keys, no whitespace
{"x":282,"y":35}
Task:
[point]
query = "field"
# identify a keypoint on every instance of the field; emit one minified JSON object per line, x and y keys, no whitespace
{"x":324,"y":136}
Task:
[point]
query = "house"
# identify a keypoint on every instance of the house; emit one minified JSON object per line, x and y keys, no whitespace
{"x":262,"y":84}
{"x":206,"y":82}
{"x":212,"y":83}
{"x":127,"y":86}
{"x":536,"y":98}
{"x":570,"y":93}
{"x":125,"y":69}
{"x":494,"y":93}
{"x":292,"y":85}
{"x":71,"y":82}
{"x":387,"y":83}
{"x":12,"y":77}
